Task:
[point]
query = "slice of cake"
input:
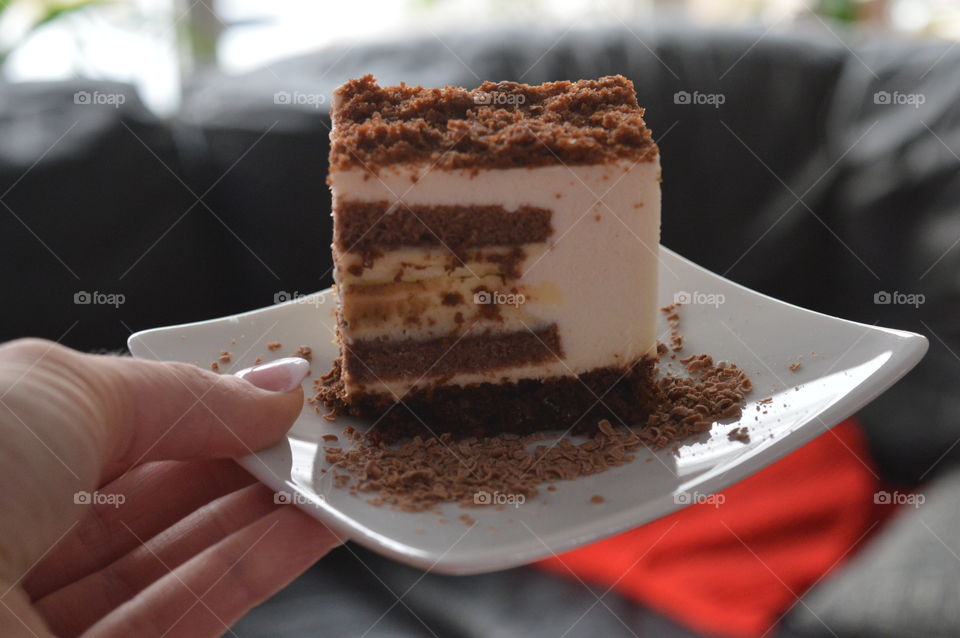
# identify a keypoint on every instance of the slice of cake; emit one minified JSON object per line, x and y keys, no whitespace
{"x":495,"y":255}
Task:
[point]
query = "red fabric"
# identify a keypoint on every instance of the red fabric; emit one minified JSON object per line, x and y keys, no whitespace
{"x":733,"y":569}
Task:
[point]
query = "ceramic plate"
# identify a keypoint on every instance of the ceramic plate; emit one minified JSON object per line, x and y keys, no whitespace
{"x":843,"y":366}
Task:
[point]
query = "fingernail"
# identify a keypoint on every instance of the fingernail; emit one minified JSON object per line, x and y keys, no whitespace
{"x":282,"y":375}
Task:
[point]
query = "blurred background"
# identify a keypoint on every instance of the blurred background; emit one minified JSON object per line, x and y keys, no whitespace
{"x":163,"y":161}
{"x":167,"y":42}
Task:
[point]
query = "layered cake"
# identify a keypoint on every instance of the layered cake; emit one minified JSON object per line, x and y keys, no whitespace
{"x":495,"y":255}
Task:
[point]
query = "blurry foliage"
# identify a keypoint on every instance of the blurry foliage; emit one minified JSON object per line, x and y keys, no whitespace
{"x":41,"y":12}
{"x":841,"y":10}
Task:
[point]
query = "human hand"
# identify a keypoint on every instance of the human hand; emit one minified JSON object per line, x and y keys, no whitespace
{"x":179,"y":540}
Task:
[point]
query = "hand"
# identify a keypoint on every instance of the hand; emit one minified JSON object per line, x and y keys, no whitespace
{"x":122,"y":513}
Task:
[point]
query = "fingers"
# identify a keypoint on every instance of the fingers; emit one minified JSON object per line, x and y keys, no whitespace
{"x":208,"y":593}
{"x":71,"y":422}
{"x":18,"y":618}
{"x":179,"y":411}
{"x":155,"y":496}
{"x":114,"y":413}
{"x":73,"y":609}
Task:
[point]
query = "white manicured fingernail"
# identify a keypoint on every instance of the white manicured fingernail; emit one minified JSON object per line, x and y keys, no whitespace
{"x":282,"y":375}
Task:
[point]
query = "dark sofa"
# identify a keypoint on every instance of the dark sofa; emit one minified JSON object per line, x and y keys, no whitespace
{"x":819,"y":180}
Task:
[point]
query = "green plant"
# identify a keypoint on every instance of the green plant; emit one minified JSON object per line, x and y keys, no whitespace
{"x":41,"y":12}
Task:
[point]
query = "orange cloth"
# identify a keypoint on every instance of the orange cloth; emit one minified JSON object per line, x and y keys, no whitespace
{"x":735,"y":568}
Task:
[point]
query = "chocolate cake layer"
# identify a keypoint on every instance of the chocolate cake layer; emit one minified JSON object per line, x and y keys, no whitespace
{"x":623,"y":396}
{"x":362,"y":227}
{"x":367,"y":361}
{"x":410,"y":264}
{"x":497,"y":125}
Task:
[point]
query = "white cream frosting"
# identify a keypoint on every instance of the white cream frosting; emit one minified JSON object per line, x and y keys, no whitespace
{"x":601,"y":260}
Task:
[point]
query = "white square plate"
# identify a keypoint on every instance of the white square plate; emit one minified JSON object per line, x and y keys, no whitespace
{"x":844,"y":365}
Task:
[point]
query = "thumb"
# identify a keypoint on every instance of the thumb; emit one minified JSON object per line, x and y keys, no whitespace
{"x":179,"y":411}
{"x":130,"y":412}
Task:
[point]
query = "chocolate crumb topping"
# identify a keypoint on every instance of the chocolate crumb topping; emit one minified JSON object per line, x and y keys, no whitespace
{"x":673,"y":321}
{"x":497,"y":125}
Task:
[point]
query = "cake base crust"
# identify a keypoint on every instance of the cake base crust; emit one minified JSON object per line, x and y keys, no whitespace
{"x":622,"y":396}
